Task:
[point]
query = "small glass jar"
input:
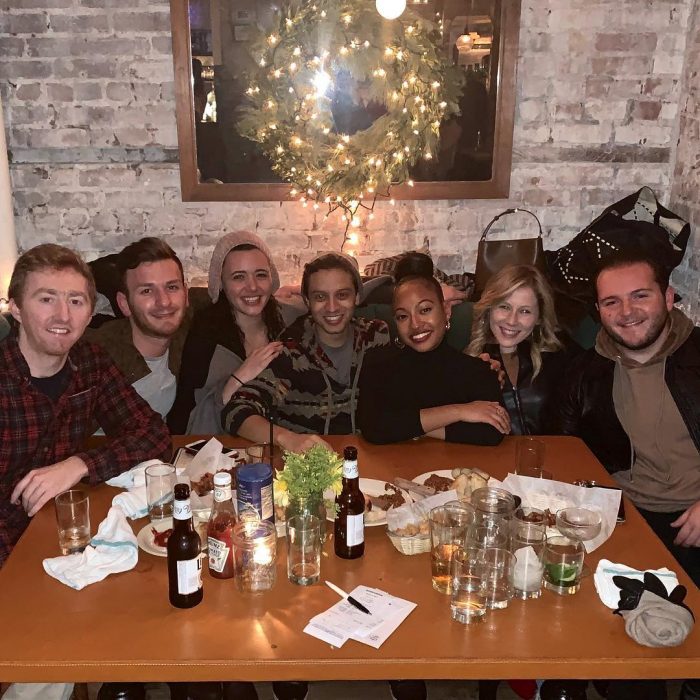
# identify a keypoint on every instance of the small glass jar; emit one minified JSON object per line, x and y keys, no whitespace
{"x":308,"y":505}
{"x":492,"y":505}
{"x":255,"y":555}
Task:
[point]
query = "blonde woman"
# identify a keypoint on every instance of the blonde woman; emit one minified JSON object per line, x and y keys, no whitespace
{"x":515,"y":323}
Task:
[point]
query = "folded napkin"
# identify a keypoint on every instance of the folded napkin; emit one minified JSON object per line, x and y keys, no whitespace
{"x":609,"y":593}
{"x":112,"y":550}
{"x":134,"y":503}
{"x":658,"y":622}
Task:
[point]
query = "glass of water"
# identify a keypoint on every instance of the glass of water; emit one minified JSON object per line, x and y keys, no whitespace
{"x":468,"y":601}
{"x":73,"y":520}
{"x":160,"y":482}
{"x":303,"y":549}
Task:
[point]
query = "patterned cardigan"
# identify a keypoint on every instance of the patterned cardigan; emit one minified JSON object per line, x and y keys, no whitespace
{"x":300,"y":388}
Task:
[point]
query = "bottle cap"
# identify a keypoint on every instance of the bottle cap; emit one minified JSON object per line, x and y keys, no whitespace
{"x":222,"y":479}
{"x":350,"y":452}
{"x":182,"y":491}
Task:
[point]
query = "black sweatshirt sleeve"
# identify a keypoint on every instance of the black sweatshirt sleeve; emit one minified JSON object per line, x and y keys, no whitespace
{"x":380,"y":416}
{"x":480,"y":384}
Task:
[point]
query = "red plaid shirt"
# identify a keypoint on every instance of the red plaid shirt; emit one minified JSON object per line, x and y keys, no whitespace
{"x":36,"y":431}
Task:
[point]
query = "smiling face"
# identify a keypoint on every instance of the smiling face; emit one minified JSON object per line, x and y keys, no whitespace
{"x":633,"y":309}
{"x":155,"y":299}
{"x":332,"y":300}
{"x":54,"y":311}
{"x":421,"y":318}
{"x":513,"y":319}
{"x":247,"y":281}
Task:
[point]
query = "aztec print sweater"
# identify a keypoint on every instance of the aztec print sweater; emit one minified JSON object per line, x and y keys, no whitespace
{"x":300,"y":389}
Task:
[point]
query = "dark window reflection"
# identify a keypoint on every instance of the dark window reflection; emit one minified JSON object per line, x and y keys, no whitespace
{"x":220,"y":50}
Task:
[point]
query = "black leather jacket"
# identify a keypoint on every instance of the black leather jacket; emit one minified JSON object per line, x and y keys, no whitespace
{"x":586,"y":406}
{"x":532,"y":403}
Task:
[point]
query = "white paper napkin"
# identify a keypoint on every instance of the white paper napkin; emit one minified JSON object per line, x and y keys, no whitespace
{"x":555,"y":495}
{"x":112,"y":550}
{"x":609,"y":593}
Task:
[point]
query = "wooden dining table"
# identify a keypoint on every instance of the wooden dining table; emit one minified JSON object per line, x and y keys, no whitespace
{"x":123,"y":628}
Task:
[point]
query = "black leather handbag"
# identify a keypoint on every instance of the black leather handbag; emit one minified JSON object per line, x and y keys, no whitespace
{"x":492,"y":256}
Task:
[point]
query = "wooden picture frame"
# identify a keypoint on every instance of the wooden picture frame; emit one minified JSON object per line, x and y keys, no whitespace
{"x":497,"y":187}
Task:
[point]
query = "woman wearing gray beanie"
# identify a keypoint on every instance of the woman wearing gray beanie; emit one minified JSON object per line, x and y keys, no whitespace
{"x":234,"y":339}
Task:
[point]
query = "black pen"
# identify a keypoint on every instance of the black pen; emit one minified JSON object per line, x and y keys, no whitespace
{"x":355,"y":603}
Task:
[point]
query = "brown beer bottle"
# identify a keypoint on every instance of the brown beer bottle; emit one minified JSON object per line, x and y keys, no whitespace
{"x":349,"y":520}
{"x":220,"y":528}
{"x":184,"y":548}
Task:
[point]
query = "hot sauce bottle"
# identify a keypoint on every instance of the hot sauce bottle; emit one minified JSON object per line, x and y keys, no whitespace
{"x":349,"y":523}
{"x":220,"y":528}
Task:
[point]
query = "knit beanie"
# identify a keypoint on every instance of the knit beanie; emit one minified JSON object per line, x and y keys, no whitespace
{"x":224,"y":246}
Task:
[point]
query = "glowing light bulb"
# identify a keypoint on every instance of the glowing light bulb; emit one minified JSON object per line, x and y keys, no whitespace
{"x":322,"y":81}
{"x":391,"y":9}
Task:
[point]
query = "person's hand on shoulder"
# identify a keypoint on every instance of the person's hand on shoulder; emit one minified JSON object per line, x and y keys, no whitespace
{"x":40,"y":485}
{"x":486,"y":412}
{"x":496,"y":367}
{"x":689,"y":527}
{"x":299,"y":442}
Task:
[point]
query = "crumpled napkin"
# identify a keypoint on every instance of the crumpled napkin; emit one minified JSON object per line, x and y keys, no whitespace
{"x":136,"y":476}
{"x":657,"y":622}
{"x":609,"y":593}
{"x":112,"y":550}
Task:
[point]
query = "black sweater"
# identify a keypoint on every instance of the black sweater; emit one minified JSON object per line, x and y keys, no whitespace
{"x":396,"y":384}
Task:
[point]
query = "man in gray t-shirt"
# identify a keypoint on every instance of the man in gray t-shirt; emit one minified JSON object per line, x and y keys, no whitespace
{"x":147,"y":344}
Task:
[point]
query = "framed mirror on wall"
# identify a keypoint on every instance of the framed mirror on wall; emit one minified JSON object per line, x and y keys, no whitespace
{"x":212,"y":42}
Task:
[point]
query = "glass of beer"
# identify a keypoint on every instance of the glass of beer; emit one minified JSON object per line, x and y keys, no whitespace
{"x":73,"y":520}
{"x":448,"y":532}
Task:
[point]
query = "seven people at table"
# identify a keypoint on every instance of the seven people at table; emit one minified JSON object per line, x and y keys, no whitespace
{"x":232,"y":365}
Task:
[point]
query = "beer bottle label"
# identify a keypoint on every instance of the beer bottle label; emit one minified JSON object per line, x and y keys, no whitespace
{"x":182,"y":510}
{"x":355,"y":529}
{"x":350,"y":470}
{"x":218,"y":553}
{"x":189,"y":575}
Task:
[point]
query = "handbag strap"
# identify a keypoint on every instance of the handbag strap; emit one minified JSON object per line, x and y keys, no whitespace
{"x":511,"y":211}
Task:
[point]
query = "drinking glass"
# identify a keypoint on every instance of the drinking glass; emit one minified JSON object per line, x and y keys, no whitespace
{"x":73,"y":520}
{"x":495,"y":534}
{"x":448,"y":531}
{"x":492,"y":504}
{"x":528,"y":549}
{"x":303,"y":549}
{"x":160,"y":482}
{"x":579,"y":523}
{"x":527,"y":520}
{"x":255,"y":552}
{"x":468,"y":601}
{"x":529,"y":457}
{"x":497,"y":566}
{"x":563,"y":564}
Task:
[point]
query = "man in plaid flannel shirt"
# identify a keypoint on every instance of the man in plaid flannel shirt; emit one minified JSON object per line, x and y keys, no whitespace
{"x":54,"y":388}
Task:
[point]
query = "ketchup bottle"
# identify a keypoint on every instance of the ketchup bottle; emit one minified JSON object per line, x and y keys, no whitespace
{"x":221,"y":522}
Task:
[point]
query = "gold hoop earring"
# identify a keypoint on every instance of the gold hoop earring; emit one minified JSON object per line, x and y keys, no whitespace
{"x":398,"y":343}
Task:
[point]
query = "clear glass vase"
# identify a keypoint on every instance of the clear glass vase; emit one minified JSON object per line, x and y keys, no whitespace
{"x":309,"y":505}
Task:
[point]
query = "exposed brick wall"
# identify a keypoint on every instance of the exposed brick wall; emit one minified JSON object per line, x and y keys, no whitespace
{"x":685,"y":190}
{"x":88,"y":93}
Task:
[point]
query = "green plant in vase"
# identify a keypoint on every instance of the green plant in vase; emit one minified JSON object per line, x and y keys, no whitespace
{"x":300,"y":485}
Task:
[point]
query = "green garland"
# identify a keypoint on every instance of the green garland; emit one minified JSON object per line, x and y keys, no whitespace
{"x":404,"y":68}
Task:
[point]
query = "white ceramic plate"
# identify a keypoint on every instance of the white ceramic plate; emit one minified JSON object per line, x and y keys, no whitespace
{"x":375,"y":487}
{"x":145,"y":537}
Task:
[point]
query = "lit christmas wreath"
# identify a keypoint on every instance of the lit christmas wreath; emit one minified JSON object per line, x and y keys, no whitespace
{"x":294,"y":107}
